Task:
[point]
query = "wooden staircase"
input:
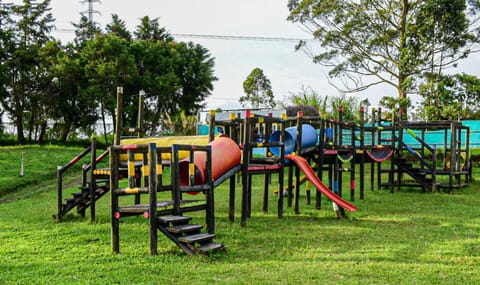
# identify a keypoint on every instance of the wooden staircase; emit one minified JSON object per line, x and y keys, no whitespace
{"x":87,"y":196}
{"x":188,"y":236}
{"x":82,"y":200}
{"x":421,"y":177}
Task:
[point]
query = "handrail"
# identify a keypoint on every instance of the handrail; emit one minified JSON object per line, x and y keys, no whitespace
{"x":417,"y":156}
{"x":415,"y":136}
{"x":85,"y":169}
{"x":74,"y":160}
{"x":60,"y":171}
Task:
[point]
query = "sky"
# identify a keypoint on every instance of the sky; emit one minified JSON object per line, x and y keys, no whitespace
{"x":287,"y":69}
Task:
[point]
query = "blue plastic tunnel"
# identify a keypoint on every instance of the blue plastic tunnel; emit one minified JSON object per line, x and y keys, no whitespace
{"x":309,"y":138}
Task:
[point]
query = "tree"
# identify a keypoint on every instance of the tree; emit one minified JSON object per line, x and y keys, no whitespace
{"x":455,"y":97}
{"x":194,"y":68}
{"x":391,"y":105}
{"x":71,"y":107}
{"x":151,"y":30}
{"x":73,"y":85}
{"x":84,"y":30}
{"x":109,"y":64}
{"x":118,"y":28}
{"x":175,"y":76}
{"x":28,"y":26}
{"x":389,"y":42}
{"x":258,"y":91}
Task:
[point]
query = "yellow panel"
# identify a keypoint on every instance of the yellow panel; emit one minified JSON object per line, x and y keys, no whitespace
{"x":131,"y":190}
{"x":167,"y":141}
{"x":131,"y":168}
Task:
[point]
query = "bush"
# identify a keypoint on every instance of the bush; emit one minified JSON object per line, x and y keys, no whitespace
{"x":307,"y":110}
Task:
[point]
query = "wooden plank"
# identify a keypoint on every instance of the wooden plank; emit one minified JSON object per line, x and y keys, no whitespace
{"x":196,"y":238}
{"x":210,"y":247}
{"x":184,"y":228}
{"x":173,"y":219}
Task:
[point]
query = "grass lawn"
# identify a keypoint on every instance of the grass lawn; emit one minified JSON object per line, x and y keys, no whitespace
{"x":407,"y":237}
{"x":39,"y":164}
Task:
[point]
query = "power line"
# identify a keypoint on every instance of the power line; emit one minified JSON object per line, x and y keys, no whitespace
{"x":241,"y":38}
{"x":222,"y":37}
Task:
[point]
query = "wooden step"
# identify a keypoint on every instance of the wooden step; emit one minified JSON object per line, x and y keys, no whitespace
{"x":196,"y":238}
{"x":174,"y":219}
{"x":78,"y":195}
{"x":70,"y":201}
{"x":210,"y":247}
{"x":84,"y":188}
{"x":186,"y":228}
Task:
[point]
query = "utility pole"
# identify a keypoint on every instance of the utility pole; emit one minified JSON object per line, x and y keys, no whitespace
{"x":90,"y":10}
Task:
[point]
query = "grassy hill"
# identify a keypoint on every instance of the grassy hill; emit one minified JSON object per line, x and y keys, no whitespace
{"x":407,"y":237}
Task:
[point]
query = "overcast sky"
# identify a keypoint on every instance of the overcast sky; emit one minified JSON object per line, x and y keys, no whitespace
{"x":287,"y":69}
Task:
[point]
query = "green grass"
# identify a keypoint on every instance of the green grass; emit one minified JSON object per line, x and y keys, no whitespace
{"x":40,"y":164}
{"x":407,"y":237}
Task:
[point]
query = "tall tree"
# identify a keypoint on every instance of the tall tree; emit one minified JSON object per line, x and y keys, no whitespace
{"x":84,"y":30}
{"x":118,"y":27}
{"x":258,"y":91}
{"x":194,"y":68}
{"x":29,"y":25}
{"x":109,"y":64}
{"x":149,"y":29}
{"x":6,"y":40}
{"x":71,"y":107}
{"x":391,"y":42}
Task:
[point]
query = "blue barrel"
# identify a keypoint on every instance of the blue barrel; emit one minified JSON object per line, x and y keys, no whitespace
{"x":203,"y":129}
{"x":309,"y":138}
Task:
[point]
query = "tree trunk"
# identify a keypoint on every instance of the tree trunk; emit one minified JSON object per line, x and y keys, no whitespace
{"x":102,"y":111}
{"x":31,"y":126}
{"x":20,"y":136}
{"x":65,"y":131}
{"x":43,"y":131}
{"x":403,"y":60}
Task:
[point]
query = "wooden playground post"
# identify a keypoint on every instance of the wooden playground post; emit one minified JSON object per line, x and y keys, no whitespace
{"x":372,"y":163}
{"x":352,"y":162}
{"x":319,"y":160}
{"x":93,"y":183}
{"x":118,"y":122}
{"x":298,"y":150}
{"x":114,"y":177}
{"x":152,"y":194}
{"x":209,"y":192}
{"x":58,"y":216}
{"x":211,"y":129}
{"x":362,"y":152}
{"x":453,"y":155}
{"x":141,"y":113}
{"x":391,"y":174}
{"x":339,"y":144}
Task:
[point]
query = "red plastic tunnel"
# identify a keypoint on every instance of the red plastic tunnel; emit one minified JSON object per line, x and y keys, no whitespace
{"x":226,"y":155}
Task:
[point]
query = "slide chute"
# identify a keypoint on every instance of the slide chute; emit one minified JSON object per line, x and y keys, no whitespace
{"x":304,"y":166}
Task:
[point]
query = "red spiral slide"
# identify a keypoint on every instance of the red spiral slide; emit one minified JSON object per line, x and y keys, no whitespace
{"x":304,"y":166}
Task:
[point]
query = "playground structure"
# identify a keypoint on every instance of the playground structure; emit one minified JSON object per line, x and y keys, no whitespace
{"x":259,"y":144}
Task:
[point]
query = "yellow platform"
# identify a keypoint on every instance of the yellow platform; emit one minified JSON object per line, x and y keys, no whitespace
{"x":166,"y":141}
